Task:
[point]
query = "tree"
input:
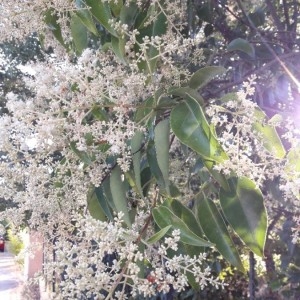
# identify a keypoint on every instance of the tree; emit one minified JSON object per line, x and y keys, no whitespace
{"x":157,"y":134}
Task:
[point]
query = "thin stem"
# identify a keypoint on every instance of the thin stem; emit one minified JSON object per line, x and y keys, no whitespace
{"x":286,"y":13}
{"x":251,"y":276}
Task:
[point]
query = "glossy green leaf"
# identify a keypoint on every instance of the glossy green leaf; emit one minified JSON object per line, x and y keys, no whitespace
{"x":267,"y":134}
{"x":159,"y":235}
{"x":161,"y":140}
{"x":243,"y":207}
{"x":293,"y":160}
{"x":153,"y":164}
{"x":129,"y":175}
{"x":145,"y":111}
{"x":101,"y":11}
{"x":189,"y":124}
{"x":118,"y":47}
{"x":185,"y":214}
{"x":94,"y":206}
{"x":86,"y":18}
{"x":141,"y":17}
{"x":174,"y":191}
{"x":79,"y":33}
{"x":116,"y":7}
{"x":241,"y":45}
{"x":218,"y":176}
{"x":164,"y":217}
{"x":257,"y":17}
{"x":107,"y":192}
{"x":165,"y":103}
{"x":203,"y":76}
{"x":215,"y":229}
{"x":136,"y":144}
{"x":118,"y":191}
{"x":128,"y":13}
{"x":103,"y":201}
{"x":51,"y":19}
{"x":146,"y":179}
{"x":183,"y":91}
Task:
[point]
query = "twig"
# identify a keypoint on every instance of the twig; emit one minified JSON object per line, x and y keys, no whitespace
{"x":274,"y":15}
{"x":251,"y":276}
{"x":254,"y":71}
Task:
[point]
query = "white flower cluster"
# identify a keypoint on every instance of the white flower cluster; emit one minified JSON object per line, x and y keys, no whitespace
{"x":242,"y":143}
{"x":58,"y":146}
{"x":296,"y":230}
{"x":236,"y":124}
{"x":103,"y":258}
{"x":21,"y":18}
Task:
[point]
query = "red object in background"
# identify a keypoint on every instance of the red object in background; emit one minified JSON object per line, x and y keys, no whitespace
{"x":2,"y":244}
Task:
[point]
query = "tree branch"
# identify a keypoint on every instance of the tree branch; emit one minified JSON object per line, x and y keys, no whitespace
{"x":274,"y":15}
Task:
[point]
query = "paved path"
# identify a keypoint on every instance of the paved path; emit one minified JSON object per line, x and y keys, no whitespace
{"x":10,"y":278}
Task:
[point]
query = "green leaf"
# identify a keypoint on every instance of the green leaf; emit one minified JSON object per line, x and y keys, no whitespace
{"x":159,"y":235}
{"x":164,"y":103}
{"x":257,"y":17}
{"x":267,"y":134}
{"x":183,"y":91}
{"x":128,"y":14}
{"x":174,"y":192}
{"x":153,"y":164}
{"x":51,"y":19}
{"x":201,"y":77}
{"x":141,"y":263}
{"x":79,"y":33}
{"x":99,"y":114}
{"x":185,"y":214}
{"x":103,"y":201}
{"x":118,"y":191}
{"x":146,"y":179}
{"x":189,"y":124}
{"x":118,"y":47}
{"x":87,"y":20}
{"x":243,"y":207}
{"x":140,"y":19}
{"x":164,"y":217}
{"x":216,"y":231}
{"x":89,"y":138}
{"x":219,"y":177}
{"x":94,"y":206}
{"x":145,"y":111}
{"x":241,"y":45}
{"x":293,"y":161}
{"x":136,"y":144}
{"x":161,"y":140}
{"x":158,"y":28}
{"x":116,"y":7}
{"x":107,"y":192}
{"x":101,"y":11}
{"x":229,"y":97}
{"x":84,"y":157}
